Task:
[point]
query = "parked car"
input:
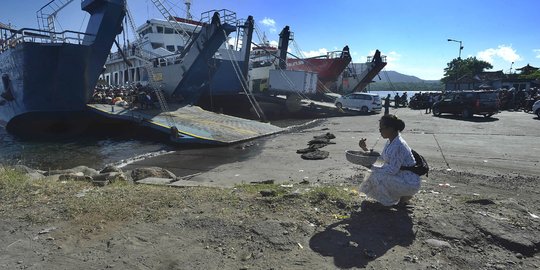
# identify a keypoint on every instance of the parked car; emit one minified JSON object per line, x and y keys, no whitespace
{"x":536,"y":108}
{"x":365,"y":102}
{"x":468,"y":103}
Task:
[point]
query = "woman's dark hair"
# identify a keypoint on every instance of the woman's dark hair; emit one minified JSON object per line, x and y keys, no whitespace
{"x":390,"y":120}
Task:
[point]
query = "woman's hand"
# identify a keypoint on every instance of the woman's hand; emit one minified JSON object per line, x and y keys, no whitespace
{"x":362,"y":144}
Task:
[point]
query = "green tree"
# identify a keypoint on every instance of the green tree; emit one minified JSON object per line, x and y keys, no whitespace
{"x":531,"y":76}
{"x":458,"y":68}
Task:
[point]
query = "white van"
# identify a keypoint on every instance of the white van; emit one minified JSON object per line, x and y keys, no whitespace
{"x":364,"y":102}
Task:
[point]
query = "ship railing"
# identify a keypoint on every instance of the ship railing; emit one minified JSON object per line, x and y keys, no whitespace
{"x":370,"y":58}
{"x":32,"y":35}
{"x":225,"y":16}
{"x":330,"y":55}
{"x":134,"y":50}
{"x":167,"y":60}
{"x":240,"y":31}
{"x":156,"y":59}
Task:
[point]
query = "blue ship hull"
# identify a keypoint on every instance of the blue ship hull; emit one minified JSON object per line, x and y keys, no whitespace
{"x":225,"y":80}
{"x":219,"y":80}
{"x":46,"y":80}
{"x":43,"y":78}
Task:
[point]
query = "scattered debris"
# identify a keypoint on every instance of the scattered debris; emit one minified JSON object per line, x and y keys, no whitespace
{"x":410,"y":258}
{"x":82,"y":193}
{"x":47,"y":230}
{"x":315,"y":155}
{"x":328,"y":136}
{"x":438,"y":243}
{"x":312,"y":152}
{"x":268,"y":193}
{"x":481,"y":201}
{"x":263,"y":182}
{"x":13,"y":243}
{"x":141,"y":173}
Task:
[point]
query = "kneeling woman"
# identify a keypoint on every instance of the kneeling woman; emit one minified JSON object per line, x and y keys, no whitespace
{"x":387,"y":183}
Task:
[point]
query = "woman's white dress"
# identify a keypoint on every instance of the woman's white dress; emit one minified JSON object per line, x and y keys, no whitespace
{"x":387,"y":183}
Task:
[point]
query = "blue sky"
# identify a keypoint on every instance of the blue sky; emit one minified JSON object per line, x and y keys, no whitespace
{"x":411,"y":33}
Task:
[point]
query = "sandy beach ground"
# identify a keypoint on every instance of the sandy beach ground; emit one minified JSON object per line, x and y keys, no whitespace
{"x":479,"y":208}
{"x":506,"y":143}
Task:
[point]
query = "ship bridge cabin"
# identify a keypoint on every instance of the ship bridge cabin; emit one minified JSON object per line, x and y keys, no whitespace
{"x":157,"y":40}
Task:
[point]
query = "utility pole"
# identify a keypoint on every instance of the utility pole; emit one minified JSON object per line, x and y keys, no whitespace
{"x":459,"y":61}
{"x":511,"y":65}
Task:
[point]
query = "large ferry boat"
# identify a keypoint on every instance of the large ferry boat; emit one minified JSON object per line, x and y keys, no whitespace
{"x":163,"y":39}
{"x":48,"y":77}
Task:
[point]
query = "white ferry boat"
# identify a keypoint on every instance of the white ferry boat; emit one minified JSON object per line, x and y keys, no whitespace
{"x":160,"y":47}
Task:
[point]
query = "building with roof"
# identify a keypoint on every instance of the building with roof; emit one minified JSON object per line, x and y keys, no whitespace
{"x":495,"y":80}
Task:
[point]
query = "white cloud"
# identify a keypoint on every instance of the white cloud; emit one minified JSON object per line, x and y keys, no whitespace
{"x":270,"y":23}
{"x":313,"y":53}
{"x":507,"y":53}
{"x":537,"y":52}
{"x":392,"y":56}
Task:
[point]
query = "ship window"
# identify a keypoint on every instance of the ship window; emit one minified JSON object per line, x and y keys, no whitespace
{"x":170,"y":48}
{"x":157,"y":45}
{"x":146,"y":31}
{"x":179,"y":48}
{"x":159,"y":29}
{"x":168,"y":30}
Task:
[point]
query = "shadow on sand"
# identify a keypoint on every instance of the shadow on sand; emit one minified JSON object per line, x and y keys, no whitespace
{"x":475,"y":118}
{"x":365,"y":236}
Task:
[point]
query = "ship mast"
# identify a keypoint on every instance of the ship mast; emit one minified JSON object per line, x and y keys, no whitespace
{"x":188,"y":8}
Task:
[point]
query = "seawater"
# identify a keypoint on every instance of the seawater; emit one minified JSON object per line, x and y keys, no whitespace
{"x":94,"y":151}
{"x":383,"y":94}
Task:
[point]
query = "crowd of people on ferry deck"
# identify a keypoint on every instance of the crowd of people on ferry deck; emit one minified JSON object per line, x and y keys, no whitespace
{"x":126,"y":96}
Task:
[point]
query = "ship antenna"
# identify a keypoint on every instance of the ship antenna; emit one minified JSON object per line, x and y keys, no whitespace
{"x":265,"y":40}
{"x":188,"y":8}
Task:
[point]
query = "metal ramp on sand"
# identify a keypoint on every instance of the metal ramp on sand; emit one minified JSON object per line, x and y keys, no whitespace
{"x":191,"y":124}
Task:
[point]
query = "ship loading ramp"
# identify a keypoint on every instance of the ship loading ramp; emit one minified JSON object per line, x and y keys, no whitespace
{"x":190,"y":124}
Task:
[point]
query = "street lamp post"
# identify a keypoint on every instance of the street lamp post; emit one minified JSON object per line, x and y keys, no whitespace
{"x":459,"y":59}
{"x":511,"y":65}
{"x":460,"y":46}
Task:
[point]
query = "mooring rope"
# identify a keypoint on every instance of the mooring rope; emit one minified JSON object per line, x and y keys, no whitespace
{"x":442,"y":153}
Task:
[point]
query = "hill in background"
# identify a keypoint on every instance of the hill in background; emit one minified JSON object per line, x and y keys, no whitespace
{"x":394,"y":76}
{"x":389,"y":80}
{"x":392,"y":80}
